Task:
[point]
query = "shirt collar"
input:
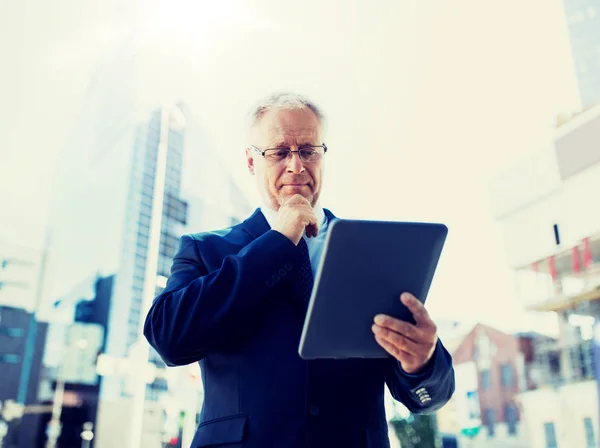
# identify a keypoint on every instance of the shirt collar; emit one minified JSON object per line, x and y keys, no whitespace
{"x":271,"y":215}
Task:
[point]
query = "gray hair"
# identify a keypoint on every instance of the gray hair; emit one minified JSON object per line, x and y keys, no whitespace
{"x":284,"y":101}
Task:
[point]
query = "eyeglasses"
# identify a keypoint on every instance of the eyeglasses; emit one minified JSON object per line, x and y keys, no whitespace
{"x":307,"y":153}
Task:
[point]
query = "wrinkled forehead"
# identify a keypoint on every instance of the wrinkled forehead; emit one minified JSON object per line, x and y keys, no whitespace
{"x":287,"y":127}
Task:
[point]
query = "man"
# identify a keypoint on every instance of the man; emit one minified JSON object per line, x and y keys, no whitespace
{"x":236,"y":300}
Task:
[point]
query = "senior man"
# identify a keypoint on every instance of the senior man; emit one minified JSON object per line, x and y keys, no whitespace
{"x":237,"y":298}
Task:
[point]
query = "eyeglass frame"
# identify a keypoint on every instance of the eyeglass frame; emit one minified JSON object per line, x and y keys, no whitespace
{"x":263,"y":152}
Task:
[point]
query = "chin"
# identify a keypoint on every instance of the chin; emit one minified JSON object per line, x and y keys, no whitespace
{"x":309,"y":197}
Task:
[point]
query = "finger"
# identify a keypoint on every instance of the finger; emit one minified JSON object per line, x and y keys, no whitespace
{"x":312,"y":230}
{"x":410,"y":331}
{"x":397,"y":340}
{"x":312,"y":225}
{"x":396,"y":352}
{"x":417,"y":309}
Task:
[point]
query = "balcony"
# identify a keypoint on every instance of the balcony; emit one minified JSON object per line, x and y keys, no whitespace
{"x":557,"y":364}
{"x":566,"y":280}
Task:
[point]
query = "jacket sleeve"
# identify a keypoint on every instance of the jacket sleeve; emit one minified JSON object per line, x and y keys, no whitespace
{"x":426,"y":391}
{"x":198,"y":309}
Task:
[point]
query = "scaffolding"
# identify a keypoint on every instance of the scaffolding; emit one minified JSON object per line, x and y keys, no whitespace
{"x":570,"y":288}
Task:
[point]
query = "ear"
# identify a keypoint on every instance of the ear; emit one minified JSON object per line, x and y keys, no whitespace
{"x":250,"y":161}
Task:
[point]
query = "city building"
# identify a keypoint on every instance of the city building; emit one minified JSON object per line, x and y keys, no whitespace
{"x":546,"y":208}
{"x":489,"y":370}
{"x":583,"y":22}
{"x":15,"y":327}
{"x":76,"y":336}
{"x":20,"y":275}
{"x":214,"y":202}
{"x":113,"y":189}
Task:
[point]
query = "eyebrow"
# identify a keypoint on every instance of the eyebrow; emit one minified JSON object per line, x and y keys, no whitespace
{"x":281,"y":144}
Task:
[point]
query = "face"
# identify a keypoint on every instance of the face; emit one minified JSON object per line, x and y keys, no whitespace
{"x":279,"y":181}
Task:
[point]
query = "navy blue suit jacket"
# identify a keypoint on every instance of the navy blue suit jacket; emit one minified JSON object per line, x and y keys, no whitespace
{"x":229,"y":304}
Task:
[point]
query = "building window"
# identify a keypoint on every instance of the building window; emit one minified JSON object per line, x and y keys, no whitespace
{"x":590,"y":437}
{"x":490,"y":421}
{"x":142,"y":240}
{"x":136,"y":305}
{"x":140,"y":263}
{"x":550,"y":434}
{"x":147,"y":201}
{"x":10,"y":358}
{"x":140,"y":251}
{"x":507,"y":375}
{"x":510,"y":417}
{"x":12,"y":332}
{"x":149,"y":179}
{"x":486,"y":379}
{"x":146,"y":210}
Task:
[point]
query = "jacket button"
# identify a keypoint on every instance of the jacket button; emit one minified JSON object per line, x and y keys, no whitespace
{"x":313,"y":410}
{"x":282,"y":272}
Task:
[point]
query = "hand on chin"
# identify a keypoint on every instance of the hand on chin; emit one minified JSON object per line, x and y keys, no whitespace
{"x":287,"y":193}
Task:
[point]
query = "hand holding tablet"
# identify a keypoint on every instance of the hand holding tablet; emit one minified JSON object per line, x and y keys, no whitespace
{"x":412,"y":345}
{"x":365,"y":267}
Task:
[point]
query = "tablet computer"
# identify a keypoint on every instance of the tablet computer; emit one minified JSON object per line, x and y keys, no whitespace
{"x":364,"y":268}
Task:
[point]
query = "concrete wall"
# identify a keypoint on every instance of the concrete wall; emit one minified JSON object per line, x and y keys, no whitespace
{"x":558,"y":185}
{"x":566,"y":407}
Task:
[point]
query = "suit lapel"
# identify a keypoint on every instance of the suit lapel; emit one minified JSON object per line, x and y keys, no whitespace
{"x":256,"y":225}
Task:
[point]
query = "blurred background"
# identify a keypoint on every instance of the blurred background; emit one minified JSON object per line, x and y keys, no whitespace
{"x":122,"y":127}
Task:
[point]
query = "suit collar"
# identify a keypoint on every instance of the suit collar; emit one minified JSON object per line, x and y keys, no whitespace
{"x":256,"y":225}
{"x":330,"y":216}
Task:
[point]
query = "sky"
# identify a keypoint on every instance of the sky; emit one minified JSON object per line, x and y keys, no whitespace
{"x":425,"y":101}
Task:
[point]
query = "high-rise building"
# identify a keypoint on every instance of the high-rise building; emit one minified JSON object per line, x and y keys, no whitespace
{"x":102,"y":217}
{"x":583,"y":21}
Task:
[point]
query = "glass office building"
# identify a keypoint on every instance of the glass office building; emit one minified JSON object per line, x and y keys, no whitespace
{"x":102,"y":214}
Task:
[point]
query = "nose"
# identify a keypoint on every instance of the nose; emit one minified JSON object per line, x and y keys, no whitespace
{"x":294,"y":164}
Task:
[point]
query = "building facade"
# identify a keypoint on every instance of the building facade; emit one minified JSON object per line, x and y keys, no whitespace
{"x":15,"y":326}
{"x":546,"y":209}
{"x":20,"y":275}
{"x":489,"y":375}
{"x":583,"y":22}
{"x":123,"y":250}
{"x":114,"y":214}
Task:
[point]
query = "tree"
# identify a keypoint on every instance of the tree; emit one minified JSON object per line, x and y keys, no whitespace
{"x":417,"y":431}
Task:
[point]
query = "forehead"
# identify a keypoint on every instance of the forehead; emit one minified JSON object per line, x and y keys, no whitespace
{"x":294,"y":126}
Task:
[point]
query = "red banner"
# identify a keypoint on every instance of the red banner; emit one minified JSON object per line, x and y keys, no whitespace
{"x":552,"y":267}
{"x":587,"y":253}
{"x":576,"y":260}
